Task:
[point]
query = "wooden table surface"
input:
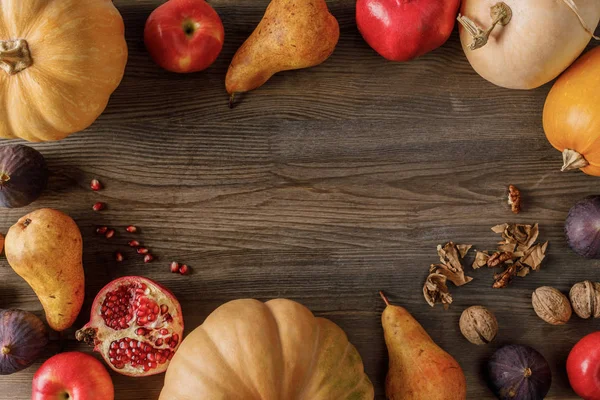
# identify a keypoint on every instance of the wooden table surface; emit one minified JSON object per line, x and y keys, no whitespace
{"x":324,"y":186}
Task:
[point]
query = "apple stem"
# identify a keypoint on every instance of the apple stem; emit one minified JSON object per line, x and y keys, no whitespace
{"x":385,"y":299}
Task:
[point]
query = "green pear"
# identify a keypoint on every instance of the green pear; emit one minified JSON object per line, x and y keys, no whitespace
{"x":418,"y":369}
{"x":293,"y":34}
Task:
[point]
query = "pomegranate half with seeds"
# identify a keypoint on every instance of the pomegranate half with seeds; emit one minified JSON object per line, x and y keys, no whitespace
{"x":136,"y":325}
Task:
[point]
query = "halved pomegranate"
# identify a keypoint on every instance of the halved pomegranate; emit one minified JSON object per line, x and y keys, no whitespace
{"x":136,"y":324}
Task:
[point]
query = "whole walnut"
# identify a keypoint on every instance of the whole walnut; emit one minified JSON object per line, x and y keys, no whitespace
{"x":585,"y":299}
{"x":551,"y":305}
{"x":478,"y":325}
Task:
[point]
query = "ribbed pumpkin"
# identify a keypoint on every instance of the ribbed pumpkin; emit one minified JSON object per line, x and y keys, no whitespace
{"x":248,"y":350}
{"x":60,"y":60}
{"x":572,"y":115}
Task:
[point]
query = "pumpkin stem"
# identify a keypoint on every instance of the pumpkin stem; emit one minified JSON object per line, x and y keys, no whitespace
{"x":501,"y":14}
{"x":571,"y":4}
{"x":5,"y":350}
{"x":573,"y":160}
{"x":14,"y":56}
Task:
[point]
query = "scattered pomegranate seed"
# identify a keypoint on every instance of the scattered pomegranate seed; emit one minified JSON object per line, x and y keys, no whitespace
{"x":110,"y":233}
{"x":99,"y":206}
{"x":131,"y":229}
{"x":133,"y":243}
{"x":118,"y":256}
{"x":142,"y":250}
{"x":148,"y":258}
{"x":174,"y":267}
{"x":184,"y":269}
{"x":95,"y":185}
{"x":101,"y":230}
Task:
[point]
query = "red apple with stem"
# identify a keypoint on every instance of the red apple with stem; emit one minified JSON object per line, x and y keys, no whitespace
{"x":184,"y":35}
{"x":72,"y":376}
{"x":583,"y":367}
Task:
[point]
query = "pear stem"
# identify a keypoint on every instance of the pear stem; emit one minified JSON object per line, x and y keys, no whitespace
{"x":231,"y":100}
{"x":385,"y":299}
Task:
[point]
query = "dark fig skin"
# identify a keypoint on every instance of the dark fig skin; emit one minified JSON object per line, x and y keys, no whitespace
{"x":23,"y":175}
{"x":517,"y":372}
{"x":582,"y":227}
{"x":23,"y":336}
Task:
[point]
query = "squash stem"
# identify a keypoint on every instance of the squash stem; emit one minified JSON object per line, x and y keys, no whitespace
{"x":14,"y":56}
{"x":573,"y":160}
{"x":501,"y":14}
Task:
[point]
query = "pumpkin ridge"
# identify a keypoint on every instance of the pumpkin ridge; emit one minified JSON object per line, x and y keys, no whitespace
{"x":313,"y":361}
{"x":281,"y":355}
{"x":225,"y":362}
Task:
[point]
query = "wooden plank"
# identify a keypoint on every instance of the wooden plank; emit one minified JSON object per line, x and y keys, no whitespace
{"x":324,"y":186}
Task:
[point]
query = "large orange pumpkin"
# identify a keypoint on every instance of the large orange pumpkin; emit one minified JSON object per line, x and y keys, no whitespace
{"x":572,"y":114}
{"x":248,"y":350}
{"x":60,"y":60}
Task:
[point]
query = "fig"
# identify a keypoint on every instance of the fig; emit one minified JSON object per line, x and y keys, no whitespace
{"x":518,"y":372}
{"x":23,"y":175}
{"x":23,"y":336}
{"x":582,"y":227}
{"x":136,"y":325}
{"x":45,"y":248}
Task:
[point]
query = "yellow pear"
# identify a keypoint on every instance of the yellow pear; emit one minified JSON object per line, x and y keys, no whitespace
{"x":45,"y":248}
{"x":293,"y":34}
{"x":419,"y":369}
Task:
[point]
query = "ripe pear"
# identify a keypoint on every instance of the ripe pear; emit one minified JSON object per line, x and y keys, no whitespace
{"x":45,"y":248}
{"x":419,"y":369}
{"x":293,"y":34}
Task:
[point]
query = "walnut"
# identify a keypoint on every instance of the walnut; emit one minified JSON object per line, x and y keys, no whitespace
{"x":585,"y":298}
{"x":551,"y":305}
{"x":478,"y":325}
{"x":514,"y":199}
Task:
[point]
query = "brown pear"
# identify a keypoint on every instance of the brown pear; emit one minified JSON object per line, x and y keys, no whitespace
{"x":293,"y":34}
{"x":45,"y":248}
{"x":418,"y":369}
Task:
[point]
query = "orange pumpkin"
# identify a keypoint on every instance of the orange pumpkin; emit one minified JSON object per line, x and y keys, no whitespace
{"x":248,"y":350}
{"x":60,"y":60}
{"x":572,"y":115}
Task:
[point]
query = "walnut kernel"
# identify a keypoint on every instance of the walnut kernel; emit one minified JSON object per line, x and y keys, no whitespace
{"x":478,"y":325}
{"x":551,"y":305}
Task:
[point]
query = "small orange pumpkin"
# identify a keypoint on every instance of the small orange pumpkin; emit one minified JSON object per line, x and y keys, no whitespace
{"x":572,"y":115}
{"x":248,"y":350}
{"x":60,"y":60}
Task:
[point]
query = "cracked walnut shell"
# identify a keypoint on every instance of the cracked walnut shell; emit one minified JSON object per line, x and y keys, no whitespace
{"x":478,"y":325}
{"x":551,"y":305}
{"x":585,"y":299}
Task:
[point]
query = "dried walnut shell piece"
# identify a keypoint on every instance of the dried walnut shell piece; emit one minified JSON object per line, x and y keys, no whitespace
{"x":478,"y":325}
{"x":551,"y":305}
{"x":585,"y":298}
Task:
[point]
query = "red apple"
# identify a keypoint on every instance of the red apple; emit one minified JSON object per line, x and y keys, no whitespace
{"x":184,"y":35}
{"x":401,"y":30}
{"x":583,"y":367}
{"x":73,"y":376}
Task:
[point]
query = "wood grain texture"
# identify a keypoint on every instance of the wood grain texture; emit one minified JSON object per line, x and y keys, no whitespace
{"x":324,"y":186}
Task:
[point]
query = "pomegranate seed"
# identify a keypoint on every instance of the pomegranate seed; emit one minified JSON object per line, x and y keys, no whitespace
{"x":140,"y":332}
{"x":131,"y":229}
{"x":148,"y":258}
{"x":99,"y":206}
{"x":158,"y":342}
{"x":174,"y":267}
{"x":101,"y":230}
{"x":95,"y":185}
{"x":142,"y":250}
{"x":110,"y":233}
{"x":164,"y":331}
{"x":119,"y":257}
{"x":164,"y":308}
{"x":133,"y":243}
{"x":175,"y":337}
{"x":184,"y":270}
